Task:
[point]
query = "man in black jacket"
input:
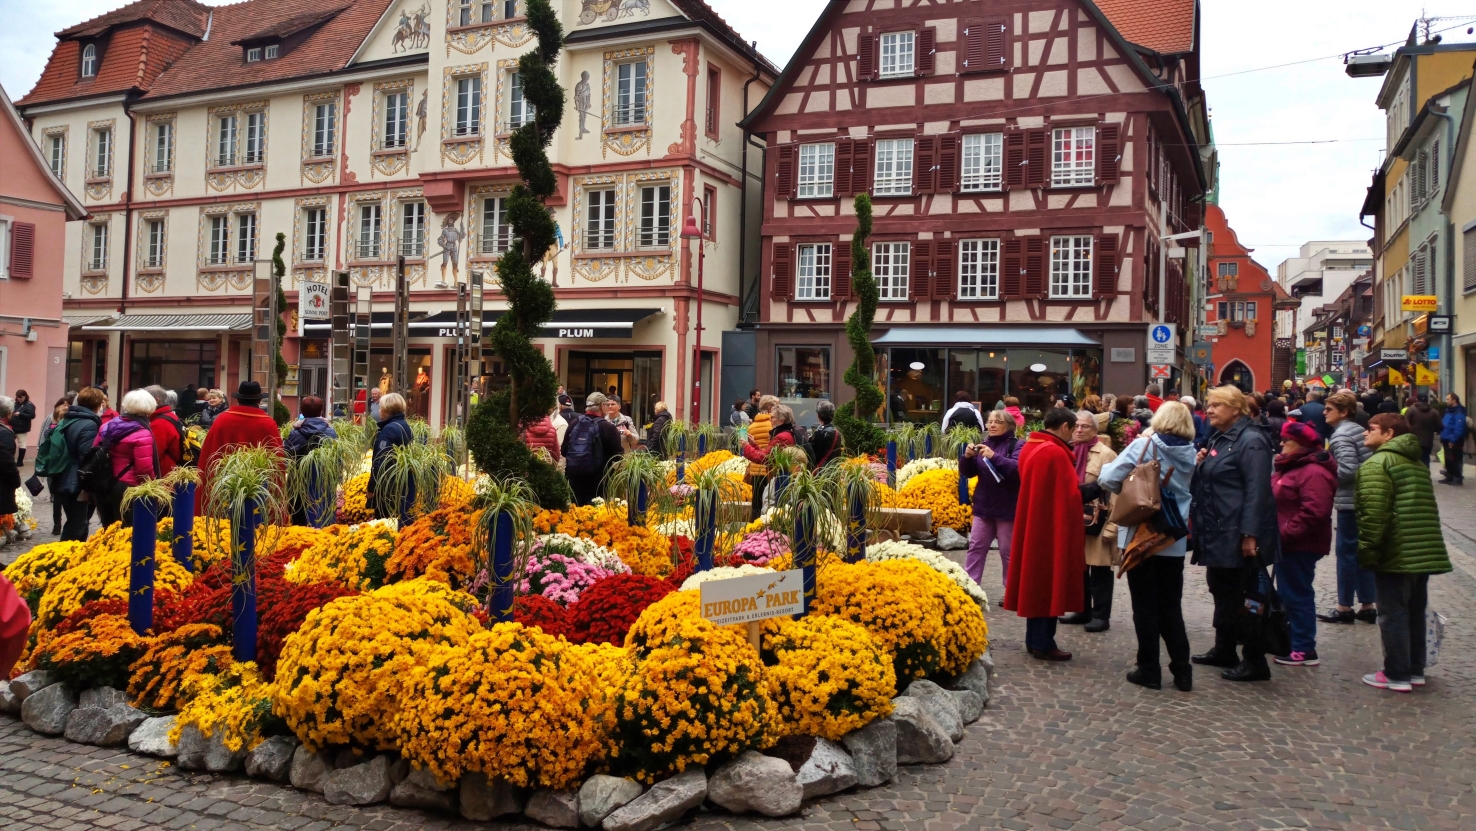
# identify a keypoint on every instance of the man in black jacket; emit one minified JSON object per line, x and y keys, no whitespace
{"x":591,"y":444}
{"x":79,"y":429}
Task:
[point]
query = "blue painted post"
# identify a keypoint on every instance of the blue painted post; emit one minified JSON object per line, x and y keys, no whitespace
{"x":701,"y":445}
{"x":707,"y":504}
{"x":804,"y":553}
{"x":501,"y":594}
{"x":635,"y":509}
{"x":963,"y":481}
{"x":892,"y":463}
{"x":407,"y":503}
{"x":319,"y":513}
{"x":856,"y":528}
{"x":243,"y":584}
{"x":681,"y":458}
{"x":141,"y":566}
{"x":184,"y":526}
{"x":928,"y":445}
{"x":781,"y":484}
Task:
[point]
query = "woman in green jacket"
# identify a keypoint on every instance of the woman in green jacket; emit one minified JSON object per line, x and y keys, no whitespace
{"x":1399,"y":540}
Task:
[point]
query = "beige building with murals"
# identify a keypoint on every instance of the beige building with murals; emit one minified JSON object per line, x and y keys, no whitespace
{"x":378,"y":129}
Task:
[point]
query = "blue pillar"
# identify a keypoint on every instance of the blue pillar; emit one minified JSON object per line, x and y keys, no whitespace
{"x":635,"y":510}
{"x":804,"y":553}
{"x":184,"y":526}
{"x":928,"y":444}
{"x":701,"y":445}
{"x":707,"y":505}
{"x":856,"y":527}
{"x":781,"y":484}
{"x":141,"y":566}
{"x":681,"y":476}
{"x":500,"y":594}
{"x":319,"y":505}
{"x":963,"y":481}
{"x":892,"y":463}
{"x":243,"y":585}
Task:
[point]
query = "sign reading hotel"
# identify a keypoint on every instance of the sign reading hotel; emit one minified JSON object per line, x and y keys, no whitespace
{"x":753,"y":597}
{"x":1420,"y":303}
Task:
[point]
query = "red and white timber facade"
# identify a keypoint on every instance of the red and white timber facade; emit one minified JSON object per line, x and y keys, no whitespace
{"x":1027,"y":165}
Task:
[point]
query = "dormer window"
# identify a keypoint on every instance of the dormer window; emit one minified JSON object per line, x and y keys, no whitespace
{"x":253,"y":54}
{"x":89,"y":60}
{"x":272,"y":50}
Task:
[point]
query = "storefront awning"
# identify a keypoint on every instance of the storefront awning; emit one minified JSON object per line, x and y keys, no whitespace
{"x":984,"y":336}
{"x":188,"y":323}
{"x":577,"y":324}
{"x":77,"y":321}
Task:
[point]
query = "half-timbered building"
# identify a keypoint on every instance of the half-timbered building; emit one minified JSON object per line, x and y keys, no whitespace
{"x":1035,"y":166}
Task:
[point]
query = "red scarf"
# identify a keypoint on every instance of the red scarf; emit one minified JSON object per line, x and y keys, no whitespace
{"x":1083,"y":455}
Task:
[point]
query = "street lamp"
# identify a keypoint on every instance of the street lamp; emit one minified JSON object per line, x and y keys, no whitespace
{"x":691,"y":231}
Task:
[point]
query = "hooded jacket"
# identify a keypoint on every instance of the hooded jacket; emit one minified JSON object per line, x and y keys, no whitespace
{"x":307,"y":435}
{"x":1232,"y":498}
{"x":1424,"y":422}
{"x":1398,"y":521}
{"x":1348,"y":450}
{"x":132,"y":448}
{"x":1453,"y":425}
{"x":1303,"y":485}
{"x":1172,"y":452}
{"x":79,"y":428}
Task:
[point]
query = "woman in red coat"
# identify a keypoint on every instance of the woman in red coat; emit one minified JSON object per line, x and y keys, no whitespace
{"x":1048,"y":549}
{"x":541,"y":433}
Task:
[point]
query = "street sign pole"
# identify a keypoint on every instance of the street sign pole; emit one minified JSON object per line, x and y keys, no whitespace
{"x":459,"y":393}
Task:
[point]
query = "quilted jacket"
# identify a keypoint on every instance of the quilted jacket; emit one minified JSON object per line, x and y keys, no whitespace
{"x":1398,"y":521}
{"x":1349,"y":451}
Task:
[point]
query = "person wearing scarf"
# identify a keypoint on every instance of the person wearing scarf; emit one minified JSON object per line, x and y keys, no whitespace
{"x":1101,"y":551}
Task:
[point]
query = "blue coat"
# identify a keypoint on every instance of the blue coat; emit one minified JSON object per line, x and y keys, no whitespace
{"x":307,"y":435}
{"x":1453,"y":425}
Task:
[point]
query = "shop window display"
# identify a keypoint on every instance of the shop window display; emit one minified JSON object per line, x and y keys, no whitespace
{"x":804,"y":380}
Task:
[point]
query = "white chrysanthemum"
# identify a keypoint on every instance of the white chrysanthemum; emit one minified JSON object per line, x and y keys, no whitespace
{"x":917,"y":466}
{"x":23,"y":506}
{"x":678,"y":528}
{"x":893,"y":550}
{"x":723,"y":573}
{"x":587,"y":551}
{"x":737,"y":464}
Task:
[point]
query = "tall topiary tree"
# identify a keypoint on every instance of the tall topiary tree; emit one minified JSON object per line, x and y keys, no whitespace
{"x":279,"y":272}
{"x":855,"y":418}
{"x":495,"y":426}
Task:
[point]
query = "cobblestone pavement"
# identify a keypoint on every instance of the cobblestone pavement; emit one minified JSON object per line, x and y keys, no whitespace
{"x":1063,"y":746}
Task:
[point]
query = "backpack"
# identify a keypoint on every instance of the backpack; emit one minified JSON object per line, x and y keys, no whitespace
{"x":965,"y":417}
{"x":52,"y":457}
{"x":586,"y":453}
{"x":95,"y":471}
{"x":189,"y":446}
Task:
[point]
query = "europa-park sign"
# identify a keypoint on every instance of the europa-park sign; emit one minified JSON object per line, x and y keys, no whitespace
{"x":752,"y":598}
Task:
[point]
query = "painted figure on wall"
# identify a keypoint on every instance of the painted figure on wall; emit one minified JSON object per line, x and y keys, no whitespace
{"x":552,"y":256}
{"x":608,"y":11}
{"x":581,"y":102}
{"x":413,"y":30}
{"x":421,"y":111}
{"x":450,"y":242}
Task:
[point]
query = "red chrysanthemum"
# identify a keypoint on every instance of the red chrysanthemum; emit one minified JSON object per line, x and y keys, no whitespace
{"x":686,"y":562}
{"x":282,"y":607}
{"x":606,"y":610}
{"x":546,"y":614}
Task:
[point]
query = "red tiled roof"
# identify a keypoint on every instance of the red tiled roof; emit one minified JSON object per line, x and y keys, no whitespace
{"x":327,"y":49}
{"x":291,"y":26}
{"x":132,"y":58}
{"x":700,"y":11}
{"x":185,"y":15}
{"x":1164,"y":26}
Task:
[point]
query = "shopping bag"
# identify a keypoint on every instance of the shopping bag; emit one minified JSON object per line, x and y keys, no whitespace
{"x":1434,"y":634}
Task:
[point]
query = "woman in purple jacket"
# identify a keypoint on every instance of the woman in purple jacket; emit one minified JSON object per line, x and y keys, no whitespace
{"x":1303,"y":481}
{"x":996,"y":464}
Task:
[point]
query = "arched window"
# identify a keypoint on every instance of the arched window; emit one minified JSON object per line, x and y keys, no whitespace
{"x":89,"y":60}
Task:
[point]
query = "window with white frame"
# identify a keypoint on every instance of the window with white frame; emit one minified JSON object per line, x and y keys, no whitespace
{"x":253,"y":54}
{"x":412,"y":230}
{"x":814,"y":272}
{"x":599,"y":220}
{"x":396,"y":119}
{"x":496,"y":230}
{"x":89,"y":60}
{"x":983,"y":161}
{"x":1236,"y":311}
{"x":315,"y":234}
{"x":102,"y":160}
{"x":978,"y":269}
{"x":817,"y":170}
{"x":474,"y":12}
{"x":1229,"y":269}
{"x":163,"y":147}
{"x":225,"y":140}
{"x":97,"y":259}
{"x":325,"y":129}
{"x":891,"y":262}
{"x":893,"y":168}
{"x":898,"y":54}
{"x":154,"y":247}
{"x":630,"y":94}
{"x":655,"y":225}
{"x":370,"y":219}
{"x":272,"y":51}
{"x":468,"y":106}
{"x":519,"y":111}
{"x":1073,"y":156}
{"x":1071,"y":266}
{"x":255,"y":138}
{"x":245,"y":238}
{"x":5,"y":245}
{"x":58,"y":156}
{"x":219,"y":250}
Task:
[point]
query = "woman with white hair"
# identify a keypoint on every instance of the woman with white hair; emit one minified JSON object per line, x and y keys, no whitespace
{"x":129,"y":441}
{"x":394,"y":431}
{"x":1091,"y":454}
{"x":9,"y":471}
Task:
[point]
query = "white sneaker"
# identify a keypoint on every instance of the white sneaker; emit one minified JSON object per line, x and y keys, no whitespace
{"x":1379,"y":680}
{"x":1417,"y":680}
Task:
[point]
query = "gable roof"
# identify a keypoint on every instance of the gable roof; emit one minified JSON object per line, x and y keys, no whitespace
{"x":71,"y":203}
{"x":132,"y":57}
{"x":185,"y":16}
{"x":1163,"y":26}
{"x":699,"y":11}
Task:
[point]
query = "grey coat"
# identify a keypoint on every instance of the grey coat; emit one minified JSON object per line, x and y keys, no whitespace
{"x":1232,"y":498}
{"x":1348,"y":450}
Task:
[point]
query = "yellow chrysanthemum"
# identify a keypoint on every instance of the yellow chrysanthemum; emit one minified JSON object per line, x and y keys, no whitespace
{"x":33,"y":570}
{"x":938,"y":490}
{"x":826,"y":676}
{"x":355,"y":558}
{"x":894,"y":603}
{"x":103,"y":574}
{"x":236,"y":700}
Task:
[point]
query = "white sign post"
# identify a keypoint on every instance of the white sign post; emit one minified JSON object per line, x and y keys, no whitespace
{"x":752,"y":598}
{"x":1163,"y":342}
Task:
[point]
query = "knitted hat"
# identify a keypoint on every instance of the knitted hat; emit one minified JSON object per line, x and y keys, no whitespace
{"x":1304,"y":434}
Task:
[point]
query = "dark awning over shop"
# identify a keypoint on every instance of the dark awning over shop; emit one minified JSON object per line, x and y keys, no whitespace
{"x":579,"y":324}
{"x":984,"y":336}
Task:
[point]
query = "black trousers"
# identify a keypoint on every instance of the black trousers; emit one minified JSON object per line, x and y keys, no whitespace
{"x":1099,"y":592}
{"x":1227,"y":585}
{"x":757,"y":503}
{"x":1157,"y":590}
{"x":1455,"y":460}
{"x":110,"y":508}
{"x":78,"y":514}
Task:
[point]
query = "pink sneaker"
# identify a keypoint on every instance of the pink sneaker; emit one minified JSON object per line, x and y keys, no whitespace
{"x":1299,"y":659}
{"x":1379,"y":680}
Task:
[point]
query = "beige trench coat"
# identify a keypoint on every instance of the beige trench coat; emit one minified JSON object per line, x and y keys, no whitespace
{"x":1102,"y":550}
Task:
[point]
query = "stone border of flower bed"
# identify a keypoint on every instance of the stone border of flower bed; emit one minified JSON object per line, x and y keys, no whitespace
{"x":926,"y":722}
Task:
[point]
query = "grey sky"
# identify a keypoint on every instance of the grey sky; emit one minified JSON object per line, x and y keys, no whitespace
{"x":1276,"y":196}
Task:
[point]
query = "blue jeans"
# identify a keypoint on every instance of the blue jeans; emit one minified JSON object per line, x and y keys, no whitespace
{"x":1040,"y":633}
{"x":1294,"y":576}
{"x":1352,"y":580}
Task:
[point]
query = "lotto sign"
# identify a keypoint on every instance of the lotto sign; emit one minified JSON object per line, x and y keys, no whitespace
{"x":1162,"y":371}
{"x":1420,"y":303}
{"x":753,"y":597}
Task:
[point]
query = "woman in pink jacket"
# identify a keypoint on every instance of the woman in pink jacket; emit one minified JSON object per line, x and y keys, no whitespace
{"x":130,"y":443}
{"x":1303,"y":481}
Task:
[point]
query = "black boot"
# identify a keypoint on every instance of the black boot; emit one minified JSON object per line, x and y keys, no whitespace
{"x":1248,"y":671}
{"x":1218,"y":656}
{"x":1098,"y":624}
{"x":1075,"y":618}
{"x":1183,"y":677}
{"x":1143,"y":679}
{"x":21,"y":460}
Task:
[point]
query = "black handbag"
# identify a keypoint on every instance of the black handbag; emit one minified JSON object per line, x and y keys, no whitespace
{"x":1262,"y":617}
{"x":1095,"y":516}
{"x":34,"y":486}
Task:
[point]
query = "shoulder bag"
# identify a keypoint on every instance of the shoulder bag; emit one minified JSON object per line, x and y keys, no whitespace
{"x":1141,"y":496}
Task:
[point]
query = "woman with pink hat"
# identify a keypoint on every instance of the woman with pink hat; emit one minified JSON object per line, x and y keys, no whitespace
{"x":1303,"y":481}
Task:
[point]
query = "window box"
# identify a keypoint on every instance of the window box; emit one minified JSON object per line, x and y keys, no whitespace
{"x":168,"y":174}
{"x":98,"y":180}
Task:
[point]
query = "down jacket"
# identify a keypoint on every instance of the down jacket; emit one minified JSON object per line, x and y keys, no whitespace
{"x":542,"y":433}
{"x":1232,"y":498}
{"x":758,"y":437}
{"x":1303,"y":485}
{"x":1398,"y":521}
{"x":132,"y":449}
{"x":1349,"y":451}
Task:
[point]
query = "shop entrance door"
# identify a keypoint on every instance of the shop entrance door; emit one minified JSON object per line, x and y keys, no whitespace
{"x":636,"y":378}
{"x":313,"y":380}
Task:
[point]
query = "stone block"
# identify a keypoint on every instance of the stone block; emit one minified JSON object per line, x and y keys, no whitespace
{"x":873,"y":749}
{"x":421,"y":790}
{"x":308,"y":769}
{"x":556,"y":809}
{"x":830,"y":769}
{"x":601,"y":795}
{"x":46,"y":710}
{"x":30,"y":683}
{"x":666,"y":801}
{"x":103,"y":726}
{"x":756,"y":783}
{"x":366,"y":783}
{"x":483,"y":799}
{"x":272,"y":759}
{"x":152,"y":737}
{"x":970,"y":705}
{"x":940,"y":705}
{"x":920,"y":739}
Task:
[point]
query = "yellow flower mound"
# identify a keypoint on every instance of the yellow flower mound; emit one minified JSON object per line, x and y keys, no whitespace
{"x":236,"y":701}
{"x":510,"y":702}
{"x":827,"y":676}
{"x":646,"y":552}
{"x":895,"y":603}
{"x":438,"y":545}
{"x":295,"y":538}
{"x":696,"y":691}
{"x":95,"y":654}
{"x":963,"y":634}
{"x":103,"y":574}
{"x":356,"y":501}
{"x":938,"y":490}
{"x":456,"y":492}
{"x":355,"y":558}
{"x":157,"y":676}
{"x":33,"y":570}
{"x":711,"y":460}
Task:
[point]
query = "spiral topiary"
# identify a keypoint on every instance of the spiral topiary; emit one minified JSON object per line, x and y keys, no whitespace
{"x":279,"y":271}
{"x":493,"y":432}
{"x":854,"y":418}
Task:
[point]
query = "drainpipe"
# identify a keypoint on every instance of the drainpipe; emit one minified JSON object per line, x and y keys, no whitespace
{"x":743,"y":203}
{"x":1447,"y":301}
{"x":127,"y":248}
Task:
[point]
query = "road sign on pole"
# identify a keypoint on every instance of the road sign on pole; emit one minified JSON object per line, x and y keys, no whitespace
{"x":1161,"y":372}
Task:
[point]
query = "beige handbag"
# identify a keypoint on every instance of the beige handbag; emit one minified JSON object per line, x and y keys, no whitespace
{"x":1140,"y":497}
